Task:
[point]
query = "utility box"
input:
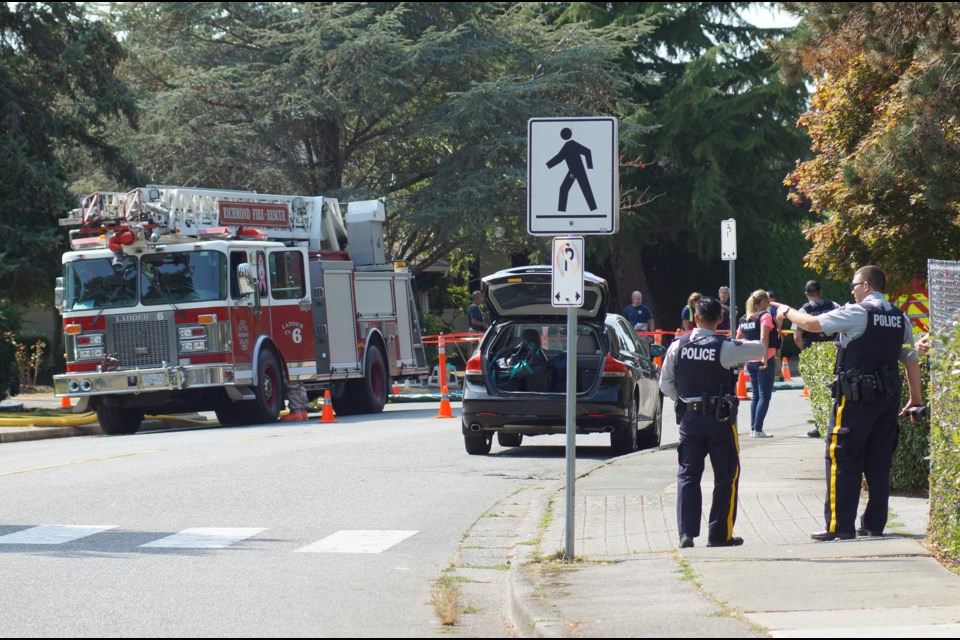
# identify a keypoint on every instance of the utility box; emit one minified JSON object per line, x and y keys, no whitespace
{"x":364,"y":222}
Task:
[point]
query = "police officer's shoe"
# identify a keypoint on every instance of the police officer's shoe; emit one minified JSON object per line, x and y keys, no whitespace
{"x":686,"y":542}
{"x":732,"y":542}
{"x":824,"y":536}
{"x":871,"y":533}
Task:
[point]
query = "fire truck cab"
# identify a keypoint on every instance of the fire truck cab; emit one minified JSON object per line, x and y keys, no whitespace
{"x":180,"y":299}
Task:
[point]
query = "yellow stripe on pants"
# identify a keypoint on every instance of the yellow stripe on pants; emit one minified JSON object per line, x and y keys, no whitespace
{"x":733,"y":487}
{"x":833,"y":466}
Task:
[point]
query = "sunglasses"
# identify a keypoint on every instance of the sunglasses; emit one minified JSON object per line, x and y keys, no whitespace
{"x":854,"y":285}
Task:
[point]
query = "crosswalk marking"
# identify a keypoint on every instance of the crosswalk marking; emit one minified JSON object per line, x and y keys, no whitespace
{"x":368,"y":541}
{"x":53,"y":534}
{"x":204,"y":538}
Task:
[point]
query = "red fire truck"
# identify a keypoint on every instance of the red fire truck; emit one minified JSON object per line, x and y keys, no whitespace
{"x":181,"y":299}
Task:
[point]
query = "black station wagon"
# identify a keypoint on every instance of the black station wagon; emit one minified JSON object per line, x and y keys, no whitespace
{"x":515,"y":383}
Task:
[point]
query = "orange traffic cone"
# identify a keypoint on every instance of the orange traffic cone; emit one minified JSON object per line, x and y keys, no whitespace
{"x":445,"y":403}
{"x":805,"y":393}
{"x":785,"y":371}
{"x":65,"y":402}
{"x":742,"y":386}
{"x":327,"y":415}
{"x":658,"y":339}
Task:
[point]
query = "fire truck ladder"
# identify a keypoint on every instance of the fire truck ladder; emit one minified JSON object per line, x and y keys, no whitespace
{"x":314,"y":220}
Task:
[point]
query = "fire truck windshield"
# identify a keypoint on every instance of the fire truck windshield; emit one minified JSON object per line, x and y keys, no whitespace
{"x":96,"y":284}
{"x":174,"y":277}
{"x":183,"y":276}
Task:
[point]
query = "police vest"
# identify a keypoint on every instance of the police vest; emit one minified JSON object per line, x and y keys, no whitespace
{"x":815,"y":309}
{"x":698,"y":367}
{"x":880,"y":344}
{"x":751,"y":329}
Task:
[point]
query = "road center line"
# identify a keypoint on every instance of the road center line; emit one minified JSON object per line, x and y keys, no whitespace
{"x":74,"y":462}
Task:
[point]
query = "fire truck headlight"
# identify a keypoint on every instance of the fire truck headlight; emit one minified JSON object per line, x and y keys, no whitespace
{"x":90,"y":354}
{"x":193,"y":345}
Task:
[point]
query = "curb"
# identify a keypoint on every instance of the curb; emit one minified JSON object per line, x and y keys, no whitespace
{"x":46,"y":433}
{"x":529,"y":615}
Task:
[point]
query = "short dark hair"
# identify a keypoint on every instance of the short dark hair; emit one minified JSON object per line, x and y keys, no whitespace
{"x":812,"y":286}
{"x":874,"y":276}
{"x":708,"y":308}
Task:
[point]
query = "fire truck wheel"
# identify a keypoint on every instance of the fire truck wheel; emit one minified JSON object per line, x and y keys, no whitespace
{"x":342,"y":400}
{"x":235,"y":413}
{"x":370,"y":394}
{"x":116,"y":421}
{"x":269,"y":387}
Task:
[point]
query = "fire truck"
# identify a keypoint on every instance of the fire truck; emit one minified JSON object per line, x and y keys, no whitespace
{"x":182,"y":299}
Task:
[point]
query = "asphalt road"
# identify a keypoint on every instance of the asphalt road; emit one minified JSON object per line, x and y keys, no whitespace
{"x":236,"y":532}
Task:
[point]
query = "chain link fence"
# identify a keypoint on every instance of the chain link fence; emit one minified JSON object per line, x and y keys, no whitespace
{"x":944,"y":287}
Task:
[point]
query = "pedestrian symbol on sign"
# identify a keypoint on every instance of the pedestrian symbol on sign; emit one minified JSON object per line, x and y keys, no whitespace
{"x":573,"y":153}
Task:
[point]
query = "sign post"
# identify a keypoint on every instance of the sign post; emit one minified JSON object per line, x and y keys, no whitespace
{"x":728,"y":252}
{"x":573,"y":187}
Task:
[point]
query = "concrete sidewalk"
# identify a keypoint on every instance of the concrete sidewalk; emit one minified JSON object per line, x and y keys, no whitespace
{"x":632,"y":580}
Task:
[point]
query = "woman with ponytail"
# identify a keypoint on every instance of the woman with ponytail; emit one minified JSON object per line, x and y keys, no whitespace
{"x":758,"y":324}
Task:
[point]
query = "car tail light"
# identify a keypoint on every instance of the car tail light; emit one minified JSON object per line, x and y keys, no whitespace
{"x":615,"y":368}
{"x":474,"y":371}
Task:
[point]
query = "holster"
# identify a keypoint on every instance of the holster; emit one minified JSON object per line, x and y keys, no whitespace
{"x":681,"y":408}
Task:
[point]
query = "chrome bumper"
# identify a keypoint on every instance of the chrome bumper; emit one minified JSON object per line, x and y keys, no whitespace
{"x":94,"y":383}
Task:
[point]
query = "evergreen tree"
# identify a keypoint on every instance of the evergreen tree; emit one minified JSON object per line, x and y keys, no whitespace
{"x":719,"y":131}
{"x":424,"y":103}
{"x":59,"y":94}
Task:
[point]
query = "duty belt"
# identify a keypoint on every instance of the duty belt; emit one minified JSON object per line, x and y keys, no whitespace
{"x":721,"y":408}
{"x":865,"y":388}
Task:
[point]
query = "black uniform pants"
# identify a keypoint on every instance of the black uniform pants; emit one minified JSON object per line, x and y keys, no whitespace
{"x":860,"y":443}
{"x":699,"y":437}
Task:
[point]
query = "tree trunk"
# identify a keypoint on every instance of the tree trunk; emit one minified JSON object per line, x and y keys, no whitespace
{"x":629,"y":274}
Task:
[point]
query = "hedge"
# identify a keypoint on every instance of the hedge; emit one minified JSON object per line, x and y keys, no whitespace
{"x":945,"y":446}
{"x":910,"y":471}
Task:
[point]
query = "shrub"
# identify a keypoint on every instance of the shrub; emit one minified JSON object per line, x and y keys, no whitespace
{"x":945,"y":446}
{"x":910,"y":470}
{"x":32,"y":351}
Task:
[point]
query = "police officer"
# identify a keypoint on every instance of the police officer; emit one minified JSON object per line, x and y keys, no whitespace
{"x":814,"y":306}
{"x":697,"y":375}
{"x":874,"y":335}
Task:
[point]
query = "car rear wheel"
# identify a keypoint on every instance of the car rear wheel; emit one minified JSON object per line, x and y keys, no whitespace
{"x":509,"y":439}
{"x":477,"y":443}
{"x":626,"y":441}
{"x":650,"y":437}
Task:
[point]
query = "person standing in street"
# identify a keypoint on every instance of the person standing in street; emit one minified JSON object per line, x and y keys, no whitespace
{"x":697,"y":375}
{"x":814,"y":306}
{"x":639,"y":316}
{"x":475,"y":314}
{"x":758,"y":324}
{"x":686,"y":314}
{"x":724,"y":297}
{"x":874,"y":336}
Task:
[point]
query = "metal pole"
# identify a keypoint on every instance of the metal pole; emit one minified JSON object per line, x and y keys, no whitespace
{"x":733,"y":301}
{"x":571,"y":425}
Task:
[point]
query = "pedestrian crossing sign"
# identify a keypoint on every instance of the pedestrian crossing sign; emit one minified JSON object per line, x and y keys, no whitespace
{"x":573,"y":184}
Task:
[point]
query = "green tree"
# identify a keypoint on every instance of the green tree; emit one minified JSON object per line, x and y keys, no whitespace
{"x":885,"y":176}
{"x":59,"y":96}
{"x":425,"y":103}
{"x":718,"y":134}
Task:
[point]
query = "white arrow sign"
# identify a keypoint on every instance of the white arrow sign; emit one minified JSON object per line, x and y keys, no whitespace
{"x":567,"y":280}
